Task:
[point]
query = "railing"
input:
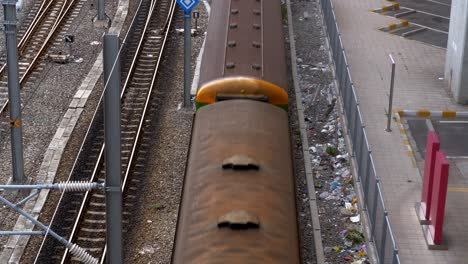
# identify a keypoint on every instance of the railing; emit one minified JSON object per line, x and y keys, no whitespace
{"x":374,"y":206}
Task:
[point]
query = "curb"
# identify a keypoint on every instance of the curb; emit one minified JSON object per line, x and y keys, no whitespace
{"x":430,"y":113}
{"x":392,"y":7}
{"x":16,"y":245}
{"x":196,"y":74}
{"x":305,"y":145}
{"x":422,"y":113}
{"x":392,"y":26}
{"x":404,"y":136}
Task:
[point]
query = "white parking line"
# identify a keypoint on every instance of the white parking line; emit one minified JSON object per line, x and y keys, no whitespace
{"x":438,"y":30}
{"x":440,"y":3}
{"x":453,"y":122}
{"x":431,"y":14}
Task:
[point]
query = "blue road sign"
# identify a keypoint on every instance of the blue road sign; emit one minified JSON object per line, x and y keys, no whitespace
{"x":187,"y":5}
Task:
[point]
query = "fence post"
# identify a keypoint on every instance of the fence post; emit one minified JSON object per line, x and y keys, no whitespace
{"x":390,"y":100}
{"x":384,"y":237}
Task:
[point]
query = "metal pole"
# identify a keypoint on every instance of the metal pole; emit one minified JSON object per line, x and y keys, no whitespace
{"x":84,"y":256}
{"x":70,"y":49}
{"x":36,"y":222}
{"x":21,"y":233}
{"x":187,"y":57}
{"x":14,"y":91}
{"x":390,"y":100}
{"x":101,"y":10}
{"x":112,"y":148}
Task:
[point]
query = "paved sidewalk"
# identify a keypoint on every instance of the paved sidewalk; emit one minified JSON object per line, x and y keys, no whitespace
{"x":417,"y":86}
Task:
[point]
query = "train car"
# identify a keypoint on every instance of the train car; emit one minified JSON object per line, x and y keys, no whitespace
{"x":244,"y":54}
{"x":238,"y":200}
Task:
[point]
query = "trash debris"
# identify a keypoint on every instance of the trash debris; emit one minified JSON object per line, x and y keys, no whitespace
{"x":324,"y":195}
{"x":355,"y":219}
{"x":95,"y":43}
{"x":346,"y":212}
{"x":335,"y":184}
{"x":80,"y":60}
{"x":339,"y":207}
{"x":193,"y":32}
{"x":147,"y":250}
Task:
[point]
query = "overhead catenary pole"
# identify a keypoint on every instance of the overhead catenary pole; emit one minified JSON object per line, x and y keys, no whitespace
{"x":112,"y":148}
{"x":187,"y":57}
{"x":9,"y":8}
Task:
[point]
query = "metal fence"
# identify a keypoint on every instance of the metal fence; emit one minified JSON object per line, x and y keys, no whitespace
{"x":380,"y":228}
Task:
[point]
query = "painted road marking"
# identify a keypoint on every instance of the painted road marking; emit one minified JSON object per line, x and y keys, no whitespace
{"x":437,"y":2}
{"x":453,"y":122}
{"x":431,"y":14}
{"x":458,"y":189}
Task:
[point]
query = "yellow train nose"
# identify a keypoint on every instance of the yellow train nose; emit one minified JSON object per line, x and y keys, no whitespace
{"x":241,"y":88}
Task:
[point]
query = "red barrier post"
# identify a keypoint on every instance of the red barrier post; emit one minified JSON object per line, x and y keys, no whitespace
{"x":439,"y":195}
{"x":432,"y":146}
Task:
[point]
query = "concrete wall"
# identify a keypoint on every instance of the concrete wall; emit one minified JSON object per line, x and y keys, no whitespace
{"x":456,"y":66}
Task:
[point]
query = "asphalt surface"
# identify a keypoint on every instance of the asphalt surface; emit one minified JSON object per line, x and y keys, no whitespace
{"x":452,"y":134}
{"x":429,"y":20}
{"x":434,"y":7}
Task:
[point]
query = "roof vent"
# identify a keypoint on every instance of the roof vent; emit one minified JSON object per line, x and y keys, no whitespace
{"x":240,"y":162}
{"x":239,"y":219}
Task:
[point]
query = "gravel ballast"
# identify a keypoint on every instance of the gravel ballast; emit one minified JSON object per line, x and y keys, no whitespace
{"x":341,"y":230}
{"x":47,"y":96}
{"x":153,"y":221}
{"x":149,"y":234}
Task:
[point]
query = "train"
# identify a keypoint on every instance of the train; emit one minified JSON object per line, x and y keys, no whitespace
{"x":238,"y":197}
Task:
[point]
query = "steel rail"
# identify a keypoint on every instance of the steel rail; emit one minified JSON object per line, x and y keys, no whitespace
{"x":137,"y":138}
{"x":137,"y":53}
{"x":56,"y":25}
{"x":34,"y":23}
{"x":88,"y":133}
{"x":100,"y":158}
{"x":27,"y":34}
{"x":97,"y":165}
{"x":142,"y":120}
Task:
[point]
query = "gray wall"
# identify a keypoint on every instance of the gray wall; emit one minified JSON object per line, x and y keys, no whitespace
{"x":456,"y":66}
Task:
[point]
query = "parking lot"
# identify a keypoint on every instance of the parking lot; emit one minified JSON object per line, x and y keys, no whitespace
{"x":452,"y":135}
{"x":428,"y":20}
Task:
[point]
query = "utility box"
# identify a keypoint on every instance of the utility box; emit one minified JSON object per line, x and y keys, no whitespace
{"x":456,"y":66}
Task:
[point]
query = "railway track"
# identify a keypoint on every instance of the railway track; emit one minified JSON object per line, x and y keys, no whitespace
{"x":80,"y":217}
{"x":45,"y":24}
